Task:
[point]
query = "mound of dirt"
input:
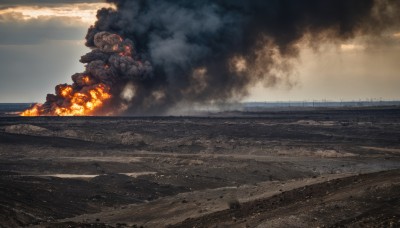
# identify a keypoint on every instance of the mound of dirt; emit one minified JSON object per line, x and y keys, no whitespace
{"x":332,"y":154}
{"x":125,"y":138}
{"x":27,"y":129}
{"x":130,"y":138}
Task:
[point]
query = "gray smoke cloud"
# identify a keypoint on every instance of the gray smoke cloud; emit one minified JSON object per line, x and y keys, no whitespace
{"x":172,"y":51}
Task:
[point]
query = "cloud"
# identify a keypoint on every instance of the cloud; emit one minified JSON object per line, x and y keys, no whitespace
{"x":352,"y":47}
{"x":31,"y":24}
{"x":15,"y":30}
{"x":10,"y":3}
{"x":86,"y":12}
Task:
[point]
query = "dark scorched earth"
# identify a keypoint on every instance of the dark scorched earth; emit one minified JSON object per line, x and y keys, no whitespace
{"x":333,"y":168}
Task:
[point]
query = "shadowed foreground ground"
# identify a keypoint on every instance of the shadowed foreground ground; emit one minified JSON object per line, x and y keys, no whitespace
{"x":276,"y":169}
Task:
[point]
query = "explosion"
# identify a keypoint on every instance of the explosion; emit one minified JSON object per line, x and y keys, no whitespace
{"x":149,"y":56}
{"x":91,"y":90}
{"x":82,"y":103}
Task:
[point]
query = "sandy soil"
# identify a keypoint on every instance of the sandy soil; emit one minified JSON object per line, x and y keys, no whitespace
{"x":272,"y":169}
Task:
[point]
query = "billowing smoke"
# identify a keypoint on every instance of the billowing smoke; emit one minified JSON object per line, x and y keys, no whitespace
{"x":150,"y":55}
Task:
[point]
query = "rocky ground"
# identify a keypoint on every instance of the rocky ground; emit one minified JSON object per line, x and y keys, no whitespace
{"x":304,"y":168}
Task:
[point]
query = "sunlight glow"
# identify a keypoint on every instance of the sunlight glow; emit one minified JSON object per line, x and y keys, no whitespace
{"x":85,"y":12}
{"x":352,"y":47}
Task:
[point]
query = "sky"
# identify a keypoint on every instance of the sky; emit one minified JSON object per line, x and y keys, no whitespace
{"x":41,"y":43}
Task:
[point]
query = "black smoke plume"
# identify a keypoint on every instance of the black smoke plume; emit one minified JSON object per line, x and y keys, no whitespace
{"x":212,"y":50}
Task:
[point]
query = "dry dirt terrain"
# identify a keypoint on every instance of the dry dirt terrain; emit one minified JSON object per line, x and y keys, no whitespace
{"x":296,"y":168}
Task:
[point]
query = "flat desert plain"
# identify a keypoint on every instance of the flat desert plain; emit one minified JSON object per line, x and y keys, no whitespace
{"x":294,"y":168}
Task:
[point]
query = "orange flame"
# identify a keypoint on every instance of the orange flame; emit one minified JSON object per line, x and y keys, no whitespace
{"x":86,"y":79}
{"x":126,"y":52}
{"x":75,"y":103}
{"x":66,"y":91}
{"x":34,"y":111}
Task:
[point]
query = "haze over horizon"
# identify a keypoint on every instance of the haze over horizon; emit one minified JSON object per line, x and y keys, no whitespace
{"x":42,"y":41}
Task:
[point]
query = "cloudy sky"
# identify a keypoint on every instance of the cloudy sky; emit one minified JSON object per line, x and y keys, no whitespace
{"x":42,"y":41}
{"x":40,"y":45}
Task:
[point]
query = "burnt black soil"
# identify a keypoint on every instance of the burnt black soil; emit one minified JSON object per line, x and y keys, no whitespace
{"x":171,"y":155}
{"x":29,"y":200}
{"x":369,"y":200}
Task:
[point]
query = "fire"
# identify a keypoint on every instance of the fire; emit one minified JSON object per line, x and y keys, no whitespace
{"x":66,"y":91}
{"x":90,"y":90}
{"x":81,"y":103}
{"x":127,"y":51}
{"x":86,"y":79}
{"x":34,"y":111}
{"x":115,"y":47}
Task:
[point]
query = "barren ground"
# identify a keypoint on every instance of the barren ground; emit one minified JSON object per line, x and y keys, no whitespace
{"x":310,"y":168}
